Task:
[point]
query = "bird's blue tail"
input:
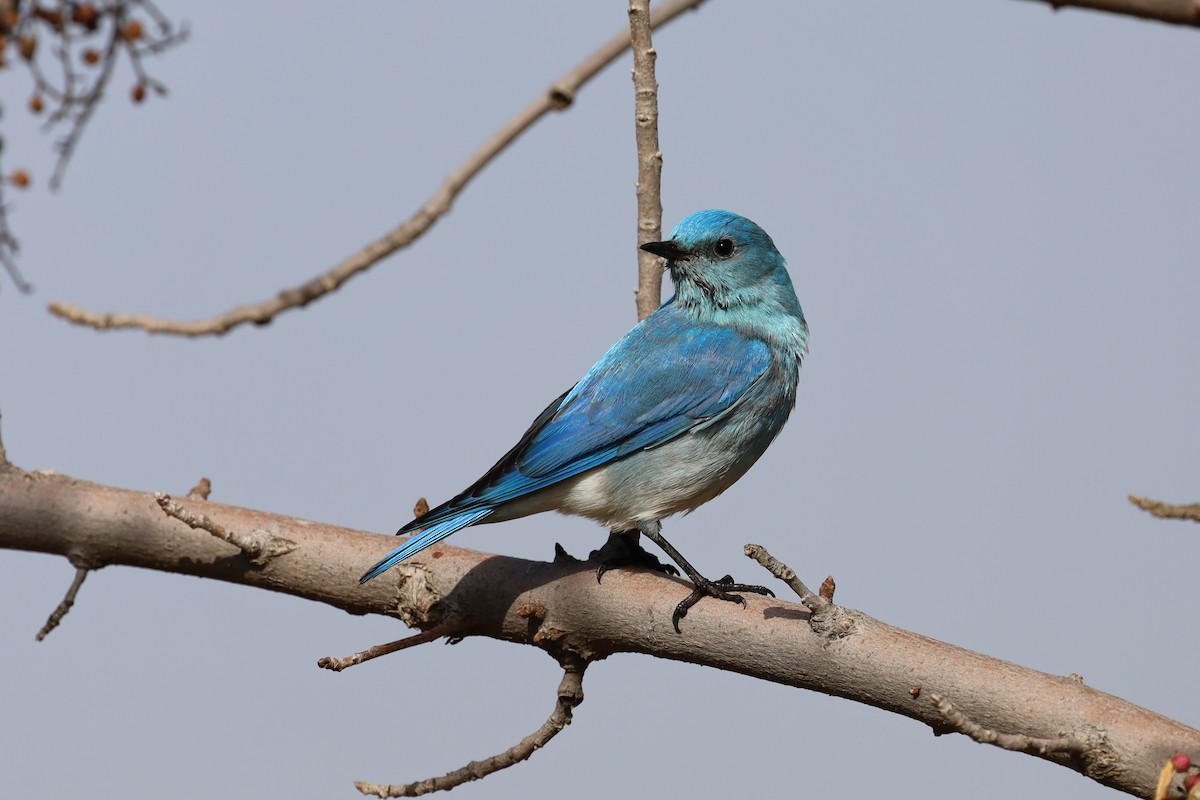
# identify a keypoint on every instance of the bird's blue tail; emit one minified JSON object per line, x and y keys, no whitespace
{"x":429,"y":536}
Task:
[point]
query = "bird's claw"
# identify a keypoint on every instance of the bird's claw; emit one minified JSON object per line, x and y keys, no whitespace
{"x":623,"y":550}
{"x":640,"y":558}
{"x":721,"y":589}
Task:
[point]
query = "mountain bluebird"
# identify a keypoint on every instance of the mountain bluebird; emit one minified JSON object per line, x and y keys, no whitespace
{"x":668,"y":419}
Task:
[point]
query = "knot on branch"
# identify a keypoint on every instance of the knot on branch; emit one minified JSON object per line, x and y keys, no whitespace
{"x":418,"y":603}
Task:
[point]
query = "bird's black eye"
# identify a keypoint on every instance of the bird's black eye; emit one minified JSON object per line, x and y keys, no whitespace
{"x":724,"y":247}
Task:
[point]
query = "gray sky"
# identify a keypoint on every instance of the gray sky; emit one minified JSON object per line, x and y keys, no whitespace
{"x":989,"y":211}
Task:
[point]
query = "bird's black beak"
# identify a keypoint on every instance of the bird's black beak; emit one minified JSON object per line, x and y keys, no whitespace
{"x":668,"y":250}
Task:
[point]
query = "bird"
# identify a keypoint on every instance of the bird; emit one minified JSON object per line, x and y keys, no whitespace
{"x":668,"y":419}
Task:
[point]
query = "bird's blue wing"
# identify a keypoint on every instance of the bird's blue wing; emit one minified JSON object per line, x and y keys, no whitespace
{"x":666,"y":376}
{"x":647,"y":390}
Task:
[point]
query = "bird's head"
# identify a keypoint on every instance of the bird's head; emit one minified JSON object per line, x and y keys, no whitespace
{"x":720,"y":260}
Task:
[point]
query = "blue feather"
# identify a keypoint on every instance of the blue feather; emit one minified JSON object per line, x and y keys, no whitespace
{"x":721,"y":357}
{"x":426,"y":538}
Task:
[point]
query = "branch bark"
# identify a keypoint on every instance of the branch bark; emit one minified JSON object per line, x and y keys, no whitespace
{"x":649,"y":182}
{"x":477,"y":594}
{"x":1175,"y":12}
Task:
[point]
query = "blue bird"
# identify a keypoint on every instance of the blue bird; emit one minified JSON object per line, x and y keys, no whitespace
{"x":669,"y":418}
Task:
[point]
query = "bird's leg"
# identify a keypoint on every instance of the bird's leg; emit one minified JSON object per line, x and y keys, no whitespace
{"x":721,"y":589}
{"x":622,"y":550}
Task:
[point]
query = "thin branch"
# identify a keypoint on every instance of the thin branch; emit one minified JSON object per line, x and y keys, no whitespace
{"x":1065,"y":745}
{"x":9,"y":248}
{"x":3,"y":454}
{"x":649,"y":183}
{"x":557,"y":98}
{"x":56,"y":616}
{"x":570,"y":695}
{"x":1175,"y":12}
{"x":1166,"y":510}
{"x":338,"y":664}
{"x":81,"y":107}
{"x":261,"y":546}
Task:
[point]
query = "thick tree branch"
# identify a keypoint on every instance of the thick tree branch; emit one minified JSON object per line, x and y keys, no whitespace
{"x":560,"y":605}
{"x":1175,"y":12}
{"x":558,"y":97}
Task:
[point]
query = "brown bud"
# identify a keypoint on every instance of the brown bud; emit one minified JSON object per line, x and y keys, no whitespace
{"x":27,"y":45}
{"x":85,"y":14}
{"x":36,"y":104}
{"x":139,"y":92}
{"x":11,"y":18}
{"x":91,"y":57}
{"x":133,"y":30}
{"x":19,"y":178}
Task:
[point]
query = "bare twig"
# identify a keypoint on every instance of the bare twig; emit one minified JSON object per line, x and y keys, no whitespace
{"x":1066,"y":745}
{"x":649,"y":184}
{"x":56,"y":616}
{"x":261,"y":546}
{"x":825,"y":618}
{"x":1167,"y":510}
{"x":79,"y":108}
{"x":3,"y":454}
{"x":780,"y":570}
{"x":70,"y":28}
{"x":557,"y":98}
{"x":338,"y":664}
{"x":9,"y":247}
{"x":570,"y":695}
{"x":1176,"y":12}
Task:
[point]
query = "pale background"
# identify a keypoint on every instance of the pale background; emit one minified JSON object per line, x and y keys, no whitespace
{"x":990,"y":213}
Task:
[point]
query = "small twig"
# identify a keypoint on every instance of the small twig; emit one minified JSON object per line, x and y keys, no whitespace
{"x":570,"y":695}
{"x":338,"y":664}
{"x":1176,"y":12}
{"x":649,"y":183}
{"x":201,"y":490}
{"x":56,"y":616}
{"x":780,"y":570}
{"x":3,"y":454}
{"x":1166,"y":510}
{"x":9,"y":247}
{"x":557,"y":98}
{"x":85,"y":105}
{"x":826,"y":618}
{"x":1009,"y":741}
{"x":261,"y":546}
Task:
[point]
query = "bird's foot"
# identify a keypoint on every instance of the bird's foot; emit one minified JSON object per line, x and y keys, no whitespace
{"x":623,"y":550}
{"x":722,"y":589}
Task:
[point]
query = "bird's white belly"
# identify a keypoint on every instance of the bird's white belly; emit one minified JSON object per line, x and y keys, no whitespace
{"x":678,"y":476}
